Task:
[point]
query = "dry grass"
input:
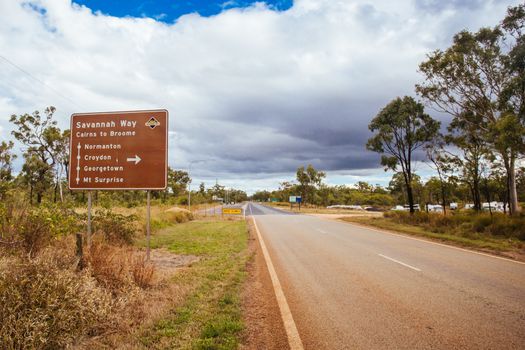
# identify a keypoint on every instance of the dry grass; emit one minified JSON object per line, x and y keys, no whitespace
{"x":142,"y":271}
{"x":45,"y":307}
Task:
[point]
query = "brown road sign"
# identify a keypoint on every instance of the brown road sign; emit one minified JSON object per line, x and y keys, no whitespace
{"x":119,"y":150}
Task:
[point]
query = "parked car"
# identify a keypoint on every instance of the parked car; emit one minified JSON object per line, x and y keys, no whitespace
{"x":494,"y":206}
{"x":435,"y":208}
{"x":416,"y":207}
{"x":398,"y":208}
{"x":453,"y":206}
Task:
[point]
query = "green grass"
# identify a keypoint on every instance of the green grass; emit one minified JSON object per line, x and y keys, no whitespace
{"x":210,"y":317}
{"x":474,"y":240}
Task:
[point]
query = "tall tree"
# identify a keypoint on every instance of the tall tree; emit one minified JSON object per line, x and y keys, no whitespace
{"x":6,"y":166}
{"x":43,"y":141}
{"x":441,"y":162}
{"x":178,"y":180}
{"x":400,"y":129}
{"x":482,"y":74}
{"x":309,"y":179}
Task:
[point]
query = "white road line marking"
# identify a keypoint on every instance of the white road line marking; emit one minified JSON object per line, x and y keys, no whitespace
{"x":294,"y":340}
{"x":399,"y":262}
{"x":430,"y":242}
{"x":322,"y":231}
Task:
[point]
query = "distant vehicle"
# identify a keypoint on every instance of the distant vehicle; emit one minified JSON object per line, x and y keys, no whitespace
{"x":435,"y":208}
{"x":453,"y":206}
{"x":469,"y":206}
{"x":494,"y":206}
{"x":373,"y":209}
{"x":416,"y":207}
{"x":398,"y":208}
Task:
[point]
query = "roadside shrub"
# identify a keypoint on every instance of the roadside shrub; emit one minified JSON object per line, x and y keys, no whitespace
{"x":479,"y":223}
{"x":118,"y":269}
{"x":109,"y":265}
{"x":44,"y":307}
{"x":33,"y":228}
{"x":143,"y":272}
{"x":115,"y":228}
{"x":464,"y":223}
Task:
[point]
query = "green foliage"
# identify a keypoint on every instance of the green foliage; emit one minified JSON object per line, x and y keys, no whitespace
{"x":464,"y":224}
{"x":481,"y":76}
{"x":6,"y":164}
{"x":178,"y":180}
{"x":33,"y":228}
{"x":46,"y":152}
{"x":116,"y":228}
{"x":309,"y":179}
{"x":400,"y":129}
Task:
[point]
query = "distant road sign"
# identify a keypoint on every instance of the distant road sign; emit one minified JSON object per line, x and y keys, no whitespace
{"x":119,"y":150}
{"x":234,"y":211}
{"x":295,"y":199}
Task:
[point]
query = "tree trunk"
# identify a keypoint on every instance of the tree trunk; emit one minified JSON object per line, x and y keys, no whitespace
{"x":443,"y":198}
{"x":513,"y":194}
{"x":410,"y":197}
{"x":476,"y":195}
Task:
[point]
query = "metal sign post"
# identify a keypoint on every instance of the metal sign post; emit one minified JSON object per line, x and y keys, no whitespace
{"x":148,"y":235}
{"x":89,"y":220}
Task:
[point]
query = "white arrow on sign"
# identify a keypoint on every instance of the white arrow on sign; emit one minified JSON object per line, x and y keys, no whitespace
{"x":136,"y":159}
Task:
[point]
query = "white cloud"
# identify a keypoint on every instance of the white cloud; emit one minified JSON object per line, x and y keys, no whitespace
{"x":256,"y":92}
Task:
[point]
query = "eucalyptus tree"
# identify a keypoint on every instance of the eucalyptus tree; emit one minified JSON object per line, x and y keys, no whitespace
{"x":309,"y":179}
{"x":6,"y":166}
{"x":400,"y":129}
{"x":45,"y":148}
{"x":482,"y":74}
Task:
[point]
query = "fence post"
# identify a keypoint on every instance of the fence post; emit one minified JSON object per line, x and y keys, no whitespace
{"x":80,"y":252}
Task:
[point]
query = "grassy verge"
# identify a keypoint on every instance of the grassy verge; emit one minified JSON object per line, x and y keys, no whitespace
{"x":210,"y":317}
{"x":473,"y":240}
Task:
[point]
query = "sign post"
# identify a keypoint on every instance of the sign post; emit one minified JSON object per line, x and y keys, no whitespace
{"x":295,"y":199}
{"x":119,"y":151}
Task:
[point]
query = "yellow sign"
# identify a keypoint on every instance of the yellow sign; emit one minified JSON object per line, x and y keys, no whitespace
{"x":236,"y":211}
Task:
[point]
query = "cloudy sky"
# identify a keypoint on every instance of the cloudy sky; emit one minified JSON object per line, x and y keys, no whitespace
{"x":254,"y":89}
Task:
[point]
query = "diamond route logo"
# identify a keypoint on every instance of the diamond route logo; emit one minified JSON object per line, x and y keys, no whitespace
{"x":152,"y":123}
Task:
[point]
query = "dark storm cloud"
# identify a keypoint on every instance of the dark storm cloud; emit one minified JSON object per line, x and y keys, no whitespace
{"x":252,"y":93}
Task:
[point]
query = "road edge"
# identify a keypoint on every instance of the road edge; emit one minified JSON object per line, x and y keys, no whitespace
{"x":294,"y":340}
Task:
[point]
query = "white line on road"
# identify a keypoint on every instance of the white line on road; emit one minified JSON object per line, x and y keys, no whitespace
{"x":322,"y":231}
{"x":430,"y":242}
{"x":294,"y":340}
{"x":399,"y":262}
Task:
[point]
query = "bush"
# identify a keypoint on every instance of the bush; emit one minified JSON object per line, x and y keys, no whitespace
{"x":464,"y":224}
{"x":43,"y":307}
{"x":119,"y":268}
{"x":143,"y":272}
{"x":109,"y":265}
{"x":33,"y":228}
{"x":115,"y":228}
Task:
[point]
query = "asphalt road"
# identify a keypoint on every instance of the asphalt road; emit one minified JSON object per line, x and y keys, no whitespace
{"x":350,"y":287}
